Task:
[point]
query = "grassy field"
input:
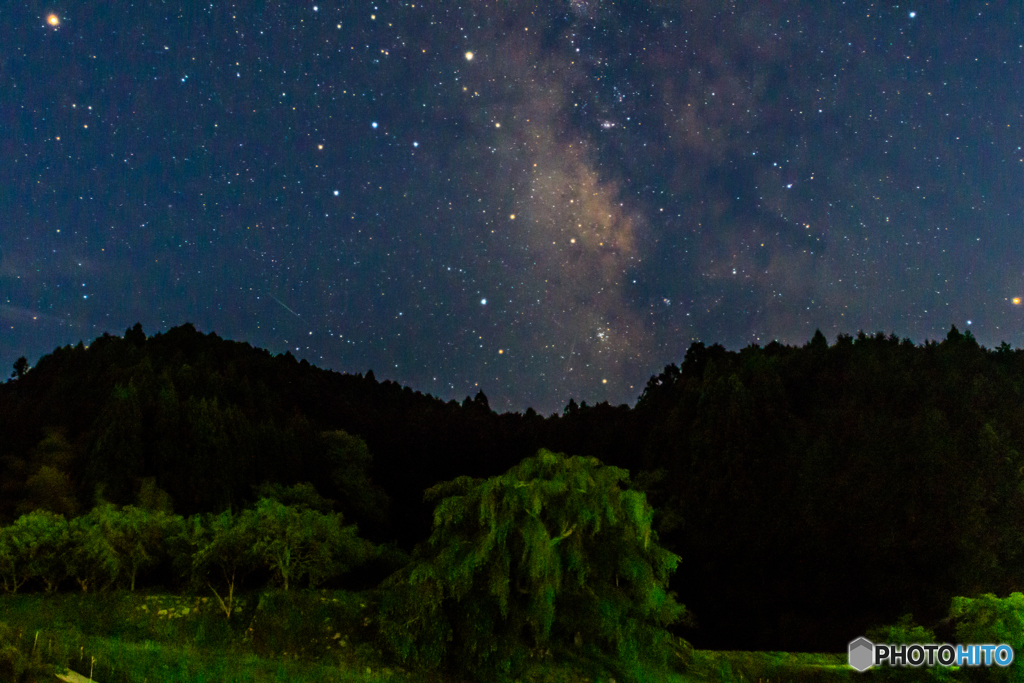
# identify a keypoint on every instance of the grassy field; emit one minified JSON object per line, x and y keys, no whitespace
{"x":298,"y":636}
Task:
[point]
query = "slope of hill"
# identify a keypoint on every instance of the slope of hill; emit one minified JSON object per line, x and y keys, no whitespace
{"x":811,"y":491}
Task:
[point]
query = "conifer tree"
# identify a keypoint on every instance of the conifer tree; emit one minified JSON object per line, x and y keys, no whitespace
{"x":20,"y":368}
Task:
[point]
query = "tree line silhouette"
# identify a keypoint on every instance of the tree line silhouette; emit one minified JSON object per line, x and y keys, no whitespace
{"x":811,"y":492}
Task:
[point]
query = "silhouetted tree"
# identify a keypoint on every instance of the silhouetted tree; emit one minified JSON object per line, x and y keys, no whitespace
{"x":20,"y":368}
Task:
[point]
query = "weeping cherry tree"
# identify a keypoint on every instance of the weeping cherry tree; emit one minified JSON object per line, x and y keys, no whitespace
{"x":556,"y":554}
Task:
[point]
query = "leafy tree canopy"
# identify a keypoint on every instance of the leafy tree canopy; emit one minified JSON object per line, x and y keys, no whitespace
{"x":556,"y":553}
{"x":988,"y":619}
{"x":298,"y":542}
{"x":32,"y":548}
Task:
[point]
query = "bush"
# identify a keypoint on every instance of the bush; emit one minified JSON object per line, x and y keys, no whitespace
{"x":988,"y":619}
{"x":902,"y":632}
{"x":15,"y":664}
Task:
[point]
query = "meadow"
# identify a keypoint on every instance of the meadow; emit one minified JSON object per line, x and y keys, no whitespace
{"x":277,"y":636}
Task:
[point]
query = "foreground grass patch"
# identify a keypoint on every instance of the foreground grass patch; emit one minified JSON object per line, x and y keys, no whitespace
{"x":294,"y":636}
{"x":727,"y":667}
{"x":136,"y":638}
{"x":113,"y":660}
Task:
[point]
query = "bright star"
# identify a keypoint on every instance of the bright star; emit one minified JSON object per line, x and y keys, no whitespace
{"x":483,"y":302}
{"x":53,"y":20}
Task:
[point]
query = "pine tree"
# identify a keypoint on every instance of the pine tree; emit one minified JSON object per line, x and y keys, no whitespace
{"x":20,"y":368}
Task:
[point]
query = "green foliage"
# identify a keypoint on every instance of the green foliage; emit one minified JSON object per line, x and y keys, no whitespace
{"x":115,"y":456}
{"x":831,"y":474}
{"x":299,"y":543}
{"x":988,"y":619}
{"x":33,"y":547}
{"x":136,"y":536}
{"x":301,"y":496}
{"x":349,"y":462}
{"x":109,"y":545}
{"x":555,"y":554}
{"x":222,"y":550}
{"x":152,"y":497}
{"x":92,"y":561}
{"x":133,"y":637}
{"x":834,"y":474}
{"x":16,"y":665}
{"x":49,"y":486}
{"x":789,"y":667}
{"x":49,"y":489}
{"x":902,"y":632}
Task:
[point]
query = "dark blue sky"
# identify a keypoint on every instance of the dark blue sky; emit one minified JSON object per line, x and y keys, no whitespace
{"x":540,"y":200}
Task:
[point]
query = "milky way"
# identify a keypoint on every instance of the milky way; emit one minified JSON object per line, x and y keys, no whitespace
{"x":542,"y":201}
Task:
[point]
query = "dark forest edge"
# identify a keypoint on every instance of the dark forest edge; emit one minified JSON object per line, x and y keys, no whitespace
{"x":493,"y":595}
{"x":811,"y":492}
{"x":491,"y":590}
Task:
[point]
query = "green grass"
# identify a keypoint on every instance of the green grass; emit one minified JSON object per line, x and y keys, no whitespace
{"x":298,"y":636}
{"x":136,"y":638}
{"x":769,"y":666}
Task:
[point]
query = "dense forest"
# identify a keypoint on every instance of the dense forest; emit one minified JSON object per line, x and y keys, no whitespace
{"x":809,"y":492}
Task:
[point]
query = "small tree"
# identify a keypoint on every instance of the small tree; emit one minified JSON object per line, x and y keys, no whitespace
{"x":49,"y":486}
{"x":988,"y":619}
{"x":92,"y":561}
{"x":906,"y":631}
{"x":303,"y":543}
{"x":137,"y":535}
{"x":52,"y":540}
{"x":33,"y":547}
{"x":49,"y":489}
{"x":20,"y":368}
{"x":123,"y":542}
{"x":222,"y":545}
{"x":556,"y":552}
{"x":349,"y":462}
{"x":14,"y":551}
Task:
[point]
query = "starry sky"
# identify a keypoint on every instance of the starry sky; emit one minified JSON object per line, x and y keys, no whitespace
{"x":540,"y":200}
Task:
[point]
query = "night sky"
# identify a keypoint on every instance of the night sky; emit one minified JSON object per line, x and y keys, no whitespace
{"x":540,"y":200}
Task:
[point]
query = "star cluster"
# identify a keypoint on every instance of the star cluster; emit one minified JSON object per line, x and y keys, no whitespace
{"x":540,"y":200}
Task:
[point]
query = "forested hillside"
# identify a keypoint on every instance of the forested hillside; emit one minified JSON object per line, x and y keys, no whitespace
{"x":811,"y":492}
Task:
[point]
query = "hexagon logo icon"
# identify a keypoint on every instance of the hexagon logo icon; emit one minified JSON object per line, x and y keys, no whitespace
{"x":862,"y":653}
